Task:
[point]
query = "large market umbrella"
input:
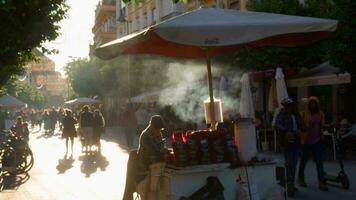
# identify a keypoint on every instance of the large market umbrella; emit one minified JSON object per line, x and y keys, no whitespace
{"x":207,"y":32}
{"x":10,"y":101}
{"x":246,"y":103}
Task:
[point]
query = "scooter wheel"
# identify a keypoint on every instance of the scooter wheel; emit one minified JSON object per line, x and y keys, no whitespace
{"x":345,"y":183}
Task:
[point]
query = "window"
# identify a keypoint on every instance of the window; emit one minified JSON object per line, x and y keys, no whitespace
{"x":153,"y":11}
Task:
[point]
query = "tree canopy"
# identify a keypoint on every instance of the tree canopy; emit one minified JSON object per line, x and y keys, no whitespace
{"x":25,"y":92}
{"x":25,"y":25}
{"x":338,"y":48}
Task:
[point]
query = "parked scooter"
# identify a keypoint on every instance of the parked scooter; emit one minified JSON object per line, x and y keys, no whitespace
{"x":341,"y":177}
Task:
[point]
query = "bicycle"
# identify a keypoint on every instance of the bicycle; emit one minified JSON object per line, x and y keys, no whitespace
{"x":17,"y":156}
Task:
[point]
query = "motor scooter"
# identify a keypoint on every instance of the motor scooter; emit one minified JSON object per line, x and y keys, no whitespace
{"x":341,"y":177}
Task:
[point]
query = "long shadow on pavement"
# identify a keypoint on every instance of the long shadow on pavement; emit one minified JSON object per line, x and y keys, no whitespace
{"x":64,"y":164}
{"x":92,"y":162}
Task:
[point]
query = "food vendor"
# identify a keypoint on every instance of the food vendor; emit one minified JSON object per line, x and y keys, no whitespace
{"x":150,"y":150}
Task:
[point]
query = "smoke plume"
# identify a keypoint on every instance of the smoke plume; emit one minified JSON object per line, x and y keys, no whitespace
{"x":188,"y":88}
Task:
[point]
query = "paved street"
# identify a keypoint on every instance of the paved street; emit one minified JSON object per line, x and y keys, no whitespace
{"x":86,"y":178}
{"x":94,"y":178}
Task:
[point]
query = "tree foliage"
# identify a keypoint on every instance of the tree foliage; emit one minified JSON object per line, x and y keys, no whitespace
{"x":25,"y":92}
{"x":338,"y":49}
{"x":25,"y":25}
{"x":344,"y":47}
{"x":124,"y":76}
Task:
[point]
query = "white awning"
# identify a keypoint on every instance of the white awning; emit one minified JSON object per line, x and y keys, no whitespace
{"x":324,"y":74}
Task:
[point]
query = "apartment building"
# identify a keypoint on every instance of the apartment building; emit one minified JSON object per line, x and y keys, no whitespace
{"x":104,"y":29}
{"x":133,"y":17}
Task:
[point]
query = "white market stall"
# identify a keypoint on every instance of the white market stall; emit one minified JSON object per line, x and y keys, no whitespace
{"x":208,"y":32}
{"x":81,"y":101}
{"x":323,"y":74}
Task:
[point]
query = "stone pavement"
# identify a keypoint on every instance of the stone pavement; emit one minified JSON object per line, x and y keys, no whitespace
{"x":264,"y":177}
{"x":103,"y":177}
{"x":89,"y":178}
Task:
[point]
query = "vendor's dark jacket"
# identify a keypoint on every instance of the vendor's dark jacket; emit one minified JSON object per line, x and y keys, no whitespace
{"x":284,"y":124}
{"x":150,"y":150}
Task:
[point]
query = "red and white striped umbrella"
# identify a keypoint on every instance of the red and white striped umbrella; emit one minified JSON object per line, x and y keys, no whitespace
{"x":208,"y":32}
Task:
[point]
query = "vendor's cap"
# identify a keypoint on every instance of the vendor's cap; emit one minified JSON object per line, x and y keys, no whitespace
{"x":157,"y":121}
{"x":287,"y":101}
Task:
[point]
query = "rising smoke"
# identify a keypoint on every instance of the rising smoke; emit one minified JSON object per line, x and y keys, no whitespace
{"x":187,"y":89}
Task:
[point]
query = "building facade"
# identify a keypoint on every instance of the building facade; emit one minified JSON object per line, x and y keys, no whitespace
{"x":42,"y":74}
{"x":104,"y":29}
{"x":133,"y":17}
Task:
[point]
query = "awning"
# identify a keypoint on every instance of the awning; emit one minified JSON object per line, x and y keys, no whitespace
{"x":10,"y":101}
{"x":82,"y":100}
{"x":324,"y":74}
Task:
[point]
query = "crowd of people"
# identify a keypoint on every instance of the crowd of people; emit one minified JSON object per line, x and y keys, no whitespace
{"x":87,"y":123}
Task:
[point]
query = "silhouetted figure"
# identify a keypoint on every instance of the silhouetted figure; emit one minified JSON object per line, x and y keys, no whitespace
{"x":98,"y":128}
{"x":69,"y":131}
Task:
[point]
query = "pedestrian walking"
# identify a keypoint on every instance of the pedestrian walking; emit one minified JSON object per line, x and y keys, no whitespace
{"x":128,"y":123}
{"x":39,"y":119}
{"x":314,"y":120}
{"x":86,"y":128}
{"x":46,"y":121}
{"x":289,"y":126}
{"x":69,"y":131}
{"x":53,"y":117}
{"x":60,"y":115}
{"x":98,"y":128}
{"x":20,"y":129}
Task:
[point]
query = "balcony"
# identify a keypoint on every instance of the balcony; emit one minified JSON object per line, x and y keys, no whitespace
{"x":102,"y":10}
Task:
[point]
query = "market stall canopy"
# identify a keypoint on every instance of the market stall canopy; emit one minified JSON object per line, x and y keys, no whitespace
{"x":208,"y":32}
{"x":82,"y":100}
{"x":10,"y":101}
{"x":185,"y":35}
{"x":324,"y":74}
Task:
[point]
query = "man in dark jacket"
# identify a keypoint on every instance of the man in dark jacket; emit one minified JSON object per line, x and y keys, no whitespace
{"x":86,"y":128}
{"x":290,"y":126}
{"x":151,"y":150}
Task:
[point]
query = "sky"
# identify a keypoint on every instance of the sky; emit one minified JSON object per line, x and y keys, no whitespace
{"x":75,"y":34}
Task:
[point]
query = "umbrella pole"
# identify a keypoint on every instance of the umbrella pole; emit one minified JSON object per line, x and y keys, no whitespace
{"x":211,"y":95}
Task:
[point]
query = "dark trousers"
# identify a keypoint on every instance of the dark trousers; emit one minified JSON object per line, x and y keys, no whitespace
{"x":291,"y":156}
{"x":317,"y":151}
{"x":133,"y":175}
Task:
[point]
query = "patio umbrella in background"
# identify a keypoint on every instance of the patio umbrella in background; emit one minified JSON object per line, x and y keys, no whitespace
{"x":272,"y":97}
{"x":246,"y":103}
{"x":81,"y":101}
{"x":8,"y":101}
{"x":281,"y":92}
{"x":208,"y":32}
{"x":281,"y":86}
